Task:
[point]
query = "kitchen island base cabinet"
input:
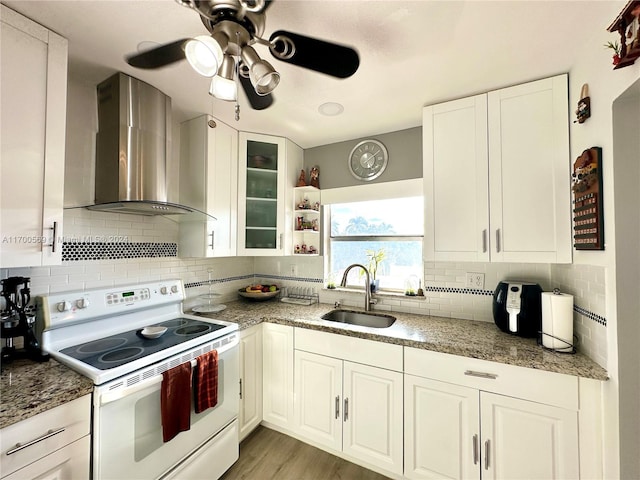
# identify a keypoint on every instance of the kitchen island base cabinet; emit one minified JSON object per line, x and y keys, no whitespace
{"x":352,"y":409}
{"x":250,"y":380}
{"x":277,"y":371}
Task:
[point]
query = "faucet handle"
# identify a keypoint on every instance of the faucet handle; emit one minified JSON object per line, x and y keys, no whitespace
{"x":373,"y":301}
{"x":336,"y":305}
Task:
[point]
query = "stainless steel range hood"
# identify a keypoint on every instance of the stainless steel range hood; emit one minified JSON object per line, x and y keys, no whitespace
{"x":132,"y":147}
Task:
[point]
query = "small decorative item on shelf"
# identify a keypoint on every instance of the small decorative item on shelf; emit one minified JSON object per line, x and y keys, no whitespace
{"x":411,"y":286}
{"x":299,"y":222}
{"x":312,"y":250}
{"x":314,"y":175}
{"x":316,"y":206}
{"x":314,"y":224}
{"x":303,"y":248}
{"x":297,"y":249}
{"x":331,"y":281}
{"x":302,"y":182}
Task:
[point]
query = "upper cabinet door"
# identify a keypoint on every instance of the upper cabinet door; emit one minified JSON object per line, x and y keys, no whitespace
{"x":529,"y":172}
{"x":209,"y":182}
{"x":455,"y":171}
{"x":33,"y":106}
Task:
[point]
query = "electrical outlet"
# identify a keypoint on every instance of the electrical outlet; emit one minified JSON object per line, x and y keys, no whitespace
{"x":475,"y":281}
{"x":294,"y":270}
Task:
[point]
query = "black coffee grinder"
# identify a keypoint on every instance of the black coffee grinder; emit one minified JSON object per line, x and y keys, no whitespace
{"x":18,"y":320}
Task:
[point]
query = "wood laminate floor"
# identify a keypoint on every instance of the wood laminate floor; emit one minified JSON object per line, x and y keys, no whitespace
{"x":270,"y":455}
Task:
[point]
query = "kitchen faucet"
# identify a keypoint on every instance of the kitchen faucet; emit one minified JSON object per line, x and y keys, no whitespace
{"x":367,"y":285}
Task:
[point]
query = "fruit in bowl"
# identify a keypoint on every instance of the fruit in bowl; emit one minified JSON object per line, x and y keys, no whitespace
{"x":259,"y":292}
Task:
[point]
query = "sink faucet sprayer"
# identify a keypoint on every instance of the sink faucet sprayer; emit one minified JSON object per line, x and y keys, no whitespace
{"x":367,"y":285}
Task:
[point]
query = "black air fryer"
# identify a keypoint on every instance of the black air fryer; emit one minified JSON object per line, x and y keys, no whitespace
{"x":517,"y":308}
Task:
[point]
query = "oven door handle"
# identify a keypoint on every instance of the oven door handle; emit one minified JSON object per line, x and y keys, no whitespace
{"x":109,"y":397}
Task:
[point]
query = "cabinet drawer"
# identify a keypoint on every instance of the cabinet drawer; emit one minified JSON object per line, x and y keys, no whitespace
{"x":358,"y":350}
{"x":72,"y":419}
{"x":535,"y":385}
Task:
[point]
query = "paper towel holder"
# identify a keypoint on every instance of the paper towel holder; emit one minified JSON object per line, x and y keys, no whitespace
{"x":568,"y":348}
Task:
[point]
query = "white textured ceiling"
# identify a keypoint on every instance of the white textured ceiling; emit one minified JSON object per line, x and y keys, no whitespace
{"x":412,"y":53}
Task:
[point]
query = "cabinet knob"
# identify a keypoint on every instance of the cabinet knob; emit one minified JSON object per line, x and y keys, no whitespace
{"x":63,"y":306}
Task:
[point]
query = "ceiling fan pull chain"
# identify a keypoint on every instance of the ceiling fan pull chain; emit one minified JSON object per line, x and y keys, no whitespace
{"x":236,"y":78}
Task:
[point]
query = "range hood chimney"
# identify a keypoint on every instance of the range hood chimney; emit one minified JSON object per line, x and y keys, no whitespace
{"x":132,"y":147}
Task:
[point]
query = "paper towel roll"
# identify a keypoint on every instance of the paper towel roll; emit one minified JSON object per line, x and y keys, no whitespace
{"x":557,"y":321}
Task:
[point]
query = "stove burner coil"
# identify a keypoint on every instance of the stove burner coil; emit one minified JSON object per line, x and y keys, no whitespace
{"x":102,"y":345}
{"x":192,"y":330}
{"x":121,"y":354}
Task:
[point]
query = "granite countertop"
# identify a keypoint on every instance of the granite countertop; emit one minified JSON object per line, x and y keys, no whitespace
{"x":28,"y":388}
{"x":465,"y":338}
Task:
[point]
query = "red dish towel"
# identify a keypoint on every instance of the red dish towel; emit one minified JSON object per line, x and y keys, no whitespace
{"x":206,"y":381}
{"x":175,"y":401}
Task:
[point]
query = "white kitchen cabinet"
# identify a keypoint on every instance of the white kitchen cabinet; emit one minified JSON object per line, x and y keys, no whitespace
{"x":441,"y":430}
{"x":208,"y":182}
{"x":490,"y":420}
{"x":306,"y":221}
{"x":33,"y":96}
{"x":250,"y":379}
{"x":496,"y":176}
{"x":277,"y":370}
{"x":268,"y":170}
{"x":346,"y":406}
{"x":52,"y":445}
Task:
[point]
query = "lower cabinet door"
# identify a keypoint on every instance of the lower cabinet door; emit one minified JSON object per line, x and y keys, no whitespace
{"x":250,"y":380}
{"x":69,"y":462}
{"x":277,"y":371}
{"x":527,"y":440}
{"x":441,"y":436}
{"x":318,"y":394}
{"x":372,"y":414}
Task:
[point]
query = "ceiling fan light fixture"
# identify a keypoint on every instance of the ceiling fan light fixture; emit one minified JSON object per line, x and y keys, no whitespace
{"x":204,"y":53}
{"x":263,"y":76}
{"x":223,"y":85}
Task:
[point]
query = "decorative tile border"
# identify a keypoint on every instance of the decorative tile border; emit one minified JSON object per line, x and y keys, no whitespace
{"x":466,"y":291}
{"x":285,"y":277}
{"x":590,"y":315}
{"x":77,"y":251}
{"x":217,"y":281}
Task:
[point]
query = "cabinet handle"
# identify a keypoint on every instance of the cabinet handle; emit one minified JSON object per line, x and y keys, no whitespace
{"x":240,"y":389}
{"x":212,"y":236}
{"x":475,"y":449}
{"x":55,"y":237}
{"x":486,"y":454}
{"x":471,"y":373}
{"x":337,"y":407}
{"x":497,"y":240}
{"x":20,"y":446}
{"x":484,"y":241}
{"x":346,"y":409}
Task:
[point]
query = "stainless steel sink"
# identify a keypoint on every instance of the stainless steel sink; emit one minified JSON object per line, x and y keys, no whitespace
{"x":364,"y":319}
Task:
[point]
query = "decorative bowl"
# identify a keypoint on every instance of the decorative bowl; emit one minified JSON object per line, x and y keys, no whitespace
{"x":258,"y":296}
{"x":153,"y":332}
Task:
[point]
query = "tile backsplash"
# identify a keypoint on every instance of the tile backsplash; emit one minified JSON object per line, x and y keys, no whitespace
{"x":109,"y":249}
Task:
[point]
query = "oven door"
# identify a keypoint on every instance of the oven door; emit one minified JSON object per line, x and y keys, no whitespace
{"x":127,"y":423}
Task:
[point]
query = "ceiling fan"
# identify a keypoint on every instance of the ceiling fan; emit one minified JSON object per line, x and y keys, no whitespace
{"x":227,"y":52}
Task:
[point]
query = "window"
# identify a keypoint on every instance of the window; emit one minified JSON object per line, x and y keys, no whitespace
{"x":394,"y":227}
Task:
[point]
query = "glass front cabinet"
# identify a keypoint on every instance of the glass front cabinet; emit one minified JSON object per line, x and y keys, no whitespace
{"x":268,"y":169}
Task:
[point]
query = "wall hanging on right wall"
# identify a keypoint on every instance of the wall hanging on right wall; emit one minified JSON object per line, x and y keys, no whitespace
{"x":588,"y":220}
{"x":627,"y":24}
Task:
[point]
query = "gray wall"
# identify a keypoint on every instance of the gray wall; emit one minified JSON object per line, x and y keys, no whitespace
{"x":405,"y":159}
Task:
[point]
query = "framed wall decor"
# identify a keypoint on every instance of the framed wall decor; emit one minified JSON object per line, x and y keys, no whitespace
{"x":588,"y":219}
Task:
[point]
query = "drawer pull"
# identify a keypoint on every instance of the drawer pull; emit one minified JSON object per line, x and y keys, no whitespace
{"x":486,"y":454}
{"x":20,"y":446}
{"x":337,"y":407}
{"x":471,"y":373}
{"x":346,"y":409}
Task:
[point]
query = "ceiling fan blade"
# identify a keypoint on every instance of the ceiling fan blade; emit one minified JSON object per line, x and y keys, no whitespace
{"x":314,"y":54}
{"x":258,"y":102}
{"x":159,"y":56}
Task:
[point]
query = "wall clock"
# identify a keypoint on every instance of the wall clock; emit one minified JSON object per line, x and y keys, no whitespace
{"x":368,"y":159}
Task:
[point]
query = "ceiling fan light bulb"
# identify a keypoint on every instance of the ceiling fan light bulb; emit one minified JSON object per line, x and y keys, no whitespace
{"x":223,"y":88}
{"x":204,"y":54}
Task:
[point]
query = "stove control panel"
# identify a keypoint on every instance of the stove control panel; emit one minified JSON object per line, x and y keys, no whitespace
{"x":66,"y":308}
{"x":128,"y":296}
